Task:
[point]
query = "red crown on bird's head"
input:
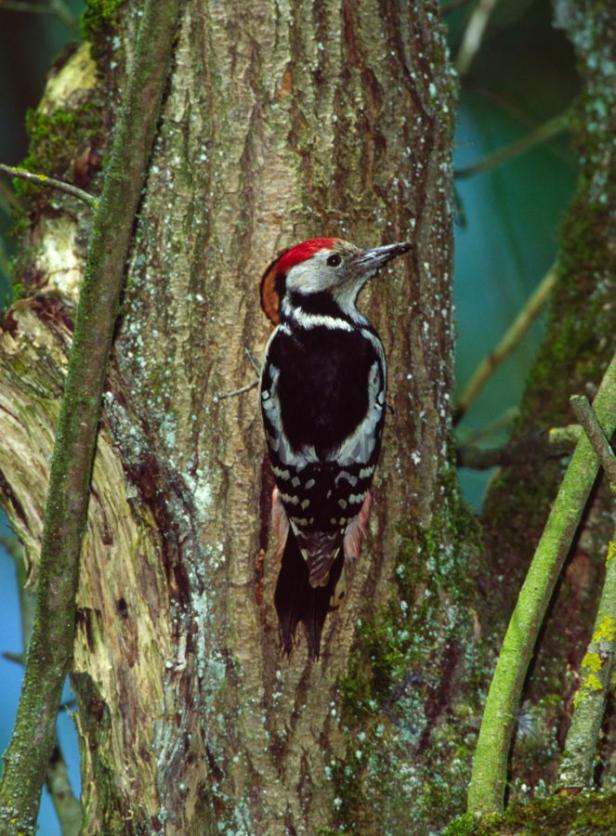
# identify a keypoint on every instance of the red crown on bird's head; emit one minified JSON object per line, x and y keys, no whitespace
{"x":280,"y":266}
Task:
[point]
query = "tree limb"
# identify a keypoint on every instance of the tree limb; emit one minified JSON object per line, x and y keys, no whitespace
{"x":587,"y":418}
{"x":49,"y":182}
{"x":50,"y":649}
{"x":552,"y":442}
{"x":511,"y":339}
{"x":473,"y":35}
{"x":542,"y":133}
{"x":487,"y":788}
{"x":590,"y":698}
{"x":55,"y":7}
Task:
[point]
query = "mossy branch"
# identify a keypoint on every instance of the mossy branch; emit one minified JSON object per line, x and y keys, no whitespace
{"x":49,"y":182}
{"x":487,"y":787}
{"x":51,"y":646}
{"x":585,"y":414}
{"x":596,"y":669}
{"x":576,"y":769}
{"x":67,"y":806}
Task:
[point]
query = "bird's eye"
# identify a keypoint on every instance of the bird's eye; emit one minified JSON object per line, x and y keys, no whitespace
{"x":334,"y":260}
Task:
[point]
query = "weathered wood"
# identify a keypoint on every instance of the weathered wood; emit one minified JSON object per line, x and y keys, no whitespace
{"x":281,"y":122}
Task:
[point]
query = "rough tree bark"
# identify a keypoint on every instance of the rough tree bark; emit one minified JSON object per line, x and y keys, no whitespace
{"x":577,"y":349}
{"x":282,"y":121}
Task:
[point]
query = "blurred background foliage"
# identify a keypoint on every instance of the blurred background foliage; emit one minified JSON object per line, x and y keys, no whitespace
{"x":507,"y":217}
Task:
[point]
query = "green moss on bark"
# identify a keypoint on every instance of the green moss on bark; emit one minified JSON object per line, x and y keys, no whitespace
{"x":67,"y":138}
{"x":409,"y":689}
{"x":100,"y":17}
{"x":576,"y":814}
{"x":575,"y":353}
{"x":57,"y":143}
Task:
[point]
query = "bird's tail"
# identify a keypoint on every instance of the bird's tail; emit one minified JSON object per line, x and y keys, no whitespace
{"x":296,"y":600}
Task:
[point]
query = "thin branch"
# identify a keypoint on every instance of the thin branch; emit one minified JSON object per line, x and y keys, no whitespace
{"x":521,"y":117}
{"x":55,"y":7}
{"x":509,"y":342}
{"x":576,"y":770}
{"x":18,"y":6}
{"x":17,"y":658}
{"x":473,"y":35}
{"x":586,"y":416}
{"x":253,"y":362}
{"x":50,"y":649}
{"x":67,"y":806}
{"x":451,"y":6}
{"x":256,"y":366}
{"x":487,"y":787}
{"x":570,"y":434}
{"x":501,"y":422}
{"x":554,"y":442}
{"x":61,"y":9}
{"x":542,"y":133}
{"x":235,"y":392}
{"x":49,"y":182}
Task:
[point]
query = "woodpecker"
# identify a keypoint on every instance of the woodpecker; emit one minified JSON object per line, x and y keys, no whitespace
{"x":322,"y":394}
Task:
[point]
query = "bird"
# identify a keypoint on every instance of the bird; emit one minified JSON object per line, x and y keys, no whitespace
{"x":323,"y":401}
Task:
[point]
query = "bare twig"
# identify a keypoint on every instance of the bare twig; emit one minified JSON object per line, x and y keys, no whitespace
{"x":253,"y":361}
{"x":586,"y":416}
{"x":17,"y":658}
{"x":512,"y":338}
{"x":19,"y":6}
{"x":542,"y":133}
{"x":51,"y":646}
{"x":256,"y":366}
{"x":501,"y":422}
{"x":68,"y":808}
{"x":235,"y":392}
{"x":473,"y":35}
{"x":55,"y":7}
{"x":554,"y":442}
{"x":61,"y":9}
{"x":49,"y":182}
{"x":451,"y":6}
{"x":487,"y":787}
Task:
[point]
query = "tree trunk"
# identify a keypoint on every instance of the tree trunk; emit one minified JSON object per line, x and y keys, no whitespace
{"x":577,"y":349}
{"x":281,"y":122}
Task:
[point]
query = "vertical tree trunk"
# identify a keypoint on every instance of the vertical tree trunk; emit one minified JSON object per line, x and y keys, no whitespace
{"x":577,"y":349}
{"x":281,"y":122}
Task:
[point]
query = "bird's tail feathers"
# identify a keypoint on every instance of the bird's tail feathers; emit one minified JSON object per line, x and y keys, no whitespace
{"x":296,"y":600}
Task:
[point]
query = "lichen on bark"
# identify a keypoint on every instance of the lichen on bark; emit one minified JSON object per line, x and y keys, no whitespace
{"x":577,"y":348}
{"x":189,"y":717}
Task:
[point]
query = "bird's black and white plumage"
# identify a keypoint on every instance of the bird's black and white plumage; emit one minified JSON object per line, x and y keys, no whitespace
{"x":323,"y":387}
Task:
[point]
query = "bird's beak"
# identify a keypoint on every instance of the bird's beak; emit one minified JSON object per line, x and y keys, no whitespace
{"x":369,"y":261}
